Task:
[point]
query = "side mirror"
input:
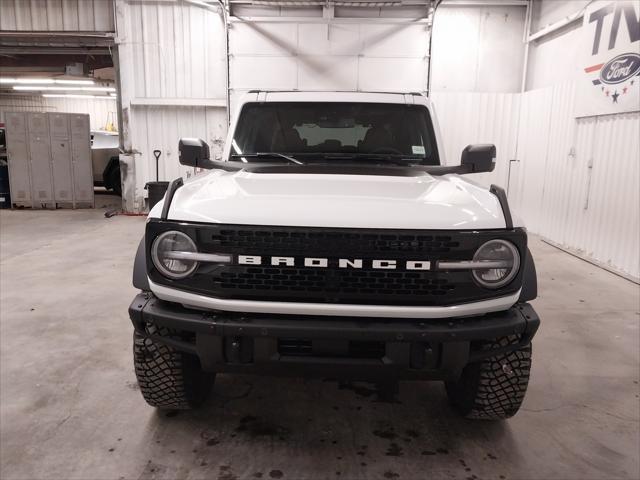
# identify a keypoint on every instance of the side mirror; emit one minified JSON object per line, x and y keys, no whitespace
{"x":479,"y":158}
{"x":194,"y":152}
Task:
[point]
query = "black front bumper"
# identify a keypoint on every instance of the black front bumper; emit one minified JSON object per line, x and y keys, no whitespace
{"x":364,"y":348}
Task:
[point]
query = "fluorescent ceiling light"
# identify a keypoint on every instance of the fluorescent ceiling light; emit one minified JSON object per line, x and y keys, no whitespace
{"x":72,"y":95}
{"x":27,"y":80}
{"x":45,"y":81}
{"x":83,"y":89}
{"x":74,"y":82}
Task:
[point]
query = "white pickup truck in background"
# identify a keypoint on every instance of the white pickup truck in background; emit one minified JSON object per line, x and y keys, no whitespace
{"x":105,"y":154}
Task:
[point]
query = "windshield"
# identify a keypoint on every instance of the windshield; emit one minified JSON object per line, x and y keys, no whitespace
{"x":335,"y":131}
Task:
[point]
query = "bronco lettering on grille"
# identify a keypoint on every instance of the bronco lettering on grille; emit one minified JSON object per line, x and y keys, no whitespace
{"x":315,"y":262}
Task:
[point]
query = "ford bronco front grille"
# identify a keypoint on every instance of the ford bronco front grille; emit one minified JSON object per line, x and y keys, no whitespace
{"x":317,"y":240}
{"x":318,"y":282}
{"x":332,"y":284}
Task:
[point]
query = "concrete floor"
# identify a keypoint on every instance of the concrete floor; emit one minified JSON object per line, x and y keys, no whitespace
{"x":71,"y":409}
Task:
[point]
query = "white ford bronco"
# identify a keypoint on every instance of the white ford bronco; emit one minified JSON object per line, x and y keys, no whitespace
{"x":332,"y":240}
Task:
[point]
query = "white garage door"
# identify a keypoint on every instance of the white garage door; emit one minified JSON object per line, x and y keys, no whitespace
{"x":363,"y":47}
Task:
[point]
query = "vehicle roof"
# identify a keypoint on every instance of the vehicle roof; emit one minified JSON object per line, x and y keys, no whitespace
{"x":335,"y":96}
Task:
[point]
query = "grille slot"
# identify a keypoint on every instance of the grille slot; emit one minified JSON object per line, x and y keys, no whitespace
{"x":344,"y":282}
{"x":317,"y":241}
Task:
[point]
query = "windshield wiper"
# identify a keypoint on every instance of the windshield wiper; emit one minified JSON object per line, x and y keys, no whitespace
{"x":267,"y":155}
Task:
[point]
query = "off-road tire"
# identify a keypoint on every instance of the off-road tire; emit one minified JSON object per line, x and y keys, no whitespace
{"x":493,"y":388}
{"x":168,"y":378}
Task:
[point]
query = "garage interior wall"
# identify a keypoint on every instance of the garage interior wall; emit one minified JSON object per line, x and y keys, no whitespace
{"x":172,"y":60}
{"x":61,"y":16}
{"x":574,"y":181}
{"x":57,"y":15}
{"x":102,"y":112}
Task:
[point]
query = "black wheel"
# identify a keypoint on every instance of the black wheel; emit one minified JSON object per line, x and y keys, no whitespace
{"x":113,"y":180}
{"x":169,"y":379}
{"x":494,"y":388}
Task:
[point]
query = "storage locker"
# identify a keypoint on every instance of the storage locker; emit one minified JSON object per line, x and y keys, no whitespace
{"x":61,"y":157}
{"x":18,"y":154}
{"x":40,"y":159}
{"x":49,"y":159}
{"x":81,"y":158}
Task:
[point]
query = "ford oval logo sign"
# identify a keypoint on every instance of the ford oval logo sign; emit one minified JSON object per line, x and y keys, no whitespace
{"x":620,"y":68}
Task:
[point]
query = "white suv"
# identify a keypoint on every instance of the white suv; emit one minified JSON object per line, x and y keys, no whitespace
{"x":330,"y":240}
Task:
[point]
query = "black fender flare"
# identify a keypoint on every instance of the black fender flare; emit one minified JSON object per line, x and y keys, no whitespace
{"x":140,"y":279}
{"x":529,"y":279}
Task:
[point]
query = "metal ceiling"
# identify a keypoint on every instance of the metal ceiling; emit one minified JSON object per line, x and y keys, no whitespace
{"x":352,"y":3}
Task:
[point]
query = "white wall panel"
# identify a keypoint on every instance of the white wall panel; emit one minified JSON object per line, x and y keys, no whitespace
{"x":392,"y":74}
{"x":261,"y":38}
{"x":380,"y":40}
{"x":327,"y":73}
{"x":526,"y":183}
{"x":561,"y":165}
{"x":171,"y":50}
{"x":328,"y":55}
{"x":546,"y":12}
{"x":575,"y":182}
{"x":467,"y":118}
{"x":172,"y":56}
{"x":554,"y":59}
{"x":603,"y":218}
{"x":477,"y":48}
{"x":160,"y":128}
{"x":101,"y":112}
{"x":57,"y":15}
{"x":270,"y":72}
{"x":322,"y":39}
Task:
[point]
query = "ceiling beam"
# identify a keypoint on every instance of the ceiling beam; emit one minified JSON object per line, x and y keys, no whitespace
{"x":11,"y":51}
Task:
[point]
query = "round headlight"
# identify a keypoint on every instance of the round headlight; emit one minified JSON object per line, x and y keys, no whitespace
{"x":502,"y":260}
{"x":170,"y":253}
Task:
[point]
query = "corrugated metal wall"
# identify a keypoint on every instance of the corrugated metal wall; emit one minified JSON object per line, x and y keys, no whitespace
{"x":57,"y":15}
{"x":101,"y":112}
{"x":467,"y":118}
{"x":575,"y":182}
{"x":173,"y":84}
{"x":598,"y":196}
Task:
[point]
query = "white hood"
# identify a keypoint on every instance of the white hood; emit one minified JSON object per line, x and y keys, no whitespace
{"x":349,"y":201}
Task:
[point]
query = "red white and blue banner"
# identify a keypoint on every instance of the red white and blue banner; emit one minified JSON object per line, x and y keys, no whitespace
{"x":609,"y":74}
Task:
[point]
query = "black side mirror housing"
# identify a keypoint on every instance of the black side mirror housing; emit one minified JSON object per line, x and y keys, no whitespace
{"x":194,"y":152}
{"x":479,"y":158}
